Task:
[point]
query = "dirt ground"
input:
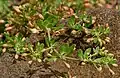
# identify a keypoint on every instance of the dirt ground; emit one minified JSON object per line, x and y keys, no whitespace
{"x":12,"y":68}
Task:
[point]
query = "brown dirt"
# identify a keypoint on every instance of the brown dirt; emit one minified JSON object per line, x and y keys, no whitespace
{"x":12,"y":68}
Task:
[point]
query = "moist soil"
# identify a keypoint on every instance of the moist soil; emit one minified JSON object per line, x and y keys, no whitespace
{"x":12,"y":68}
{"x":20,"y":68}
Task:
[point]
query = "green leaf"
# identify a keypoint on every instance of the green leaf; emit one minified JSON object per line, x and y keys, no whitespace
{"x":52,"y":58}
{"x":8,"y":38}
{"x":58,"y":2}
{"x":78,"y":27}
{"x":80,"y":54}
{"x":87,"y":53}
{"x":50,"y":42}
{"x":40,"y":24}
{"x":60,"y":26}
{"x":65,"y":49}
{"x":96,"y":50}
{"x":95,"y":40}
{"x":49,"y":21}
{"x":90,"y":23}
{"x":101,"y":29}
{"x":47,"y":41}
{"x":71,"y":21}
{"x":100,"y":41}
{"x":107,"y":31}
{"x":1,"y":43}
{"x":45,"y":9}
{"x":39,"y":47}
{"x":19,"y":44}
{"x":105,"y":60}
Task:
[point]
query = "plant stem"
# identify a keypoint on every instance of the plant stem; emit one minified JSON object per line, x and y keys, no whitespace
{"x":47,"y":49}
{"x":110,"y":69}
{"x":48,"y":31}
{"x":93,"y":55}
{"x":70,"y":58}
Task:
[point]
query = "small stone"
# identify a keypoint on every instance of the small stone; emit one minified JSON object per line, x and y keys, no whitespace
{"x":73,"y":32}
{"x":30,"y":62}
{"x":93,"y":21}
{"x":16,"y":56}
{"x":4,"y":50}
{"x":2,"y":21}
{"x":39,"y":60}
{"x":83,"y":63}
{"x":100,"y":68}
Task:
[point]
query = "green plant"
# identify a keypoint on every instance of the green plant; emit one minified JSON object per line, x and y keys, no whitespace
{"x":37,"y":52}
{"x":49,"y":21}
{"x":17,"y":42}
{"x":1,"y":44}
{"x":99,"y":34}
{"x":3,"y":7}
{"x":56,"y":40}
{"x":84,"y":56}
{"x":64,"y":52}
{"x":74,"y":25}
{"x":98,"y":57}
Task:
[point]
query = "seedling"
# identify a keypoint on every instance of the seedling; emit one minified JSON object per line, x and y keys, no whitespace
{"x":72,"y":24}
{"x":97,"y":56}
{"x":17,"y":42}
{"x":99,"y":34}
{"x":64,"y":52}
{"x":37,"y":53}
{"x":49,"y":21}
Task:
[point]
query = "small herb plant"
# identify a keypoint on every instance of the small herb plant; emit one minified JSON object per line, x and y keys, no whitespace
{"x":98,"y":57}
{"x":99,"y":35}
{"x":53,"y":41}
{"x":3,"y":8}
{"x":17,"y":42}
{"x":37,"y":52}
{"x":64,"y":52}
